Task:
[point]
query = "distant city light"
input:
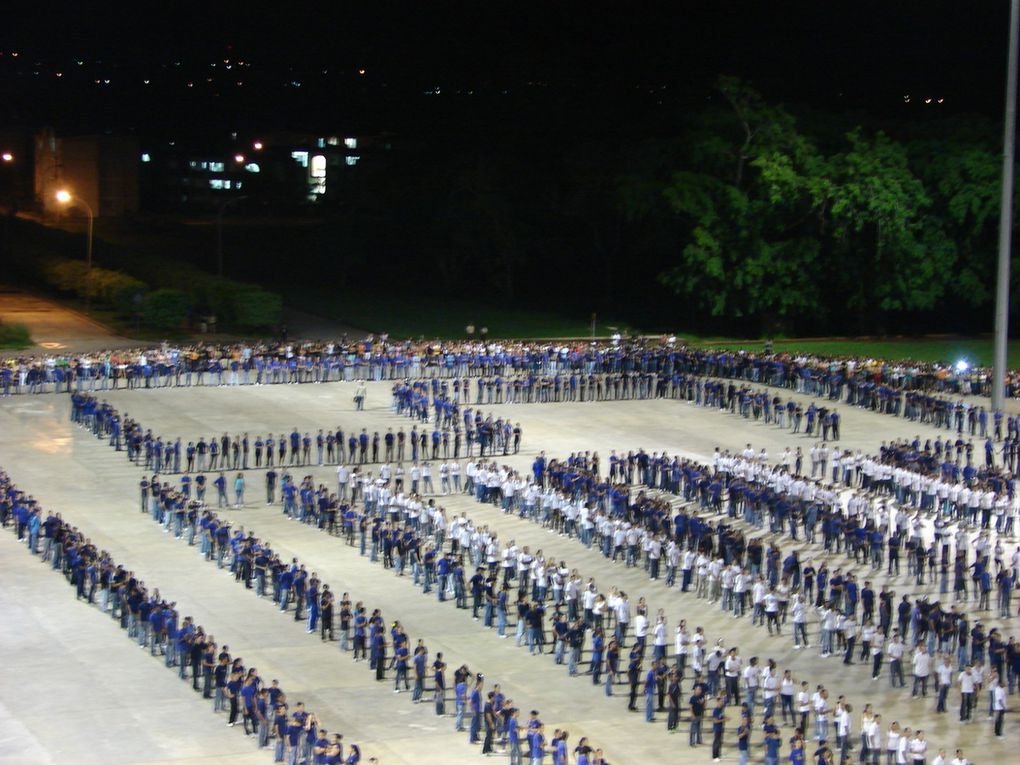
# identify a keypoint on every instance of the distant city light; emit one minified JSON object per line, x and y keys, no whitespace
{"x":146,"y":158}
{"x":257,"y":146}
{"x":360,"y":71}
{"x":239,"y":158}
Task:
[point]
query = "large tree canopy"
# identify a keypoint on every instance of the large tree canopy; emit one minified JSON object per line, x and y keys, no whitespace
{"x":784,"y":235}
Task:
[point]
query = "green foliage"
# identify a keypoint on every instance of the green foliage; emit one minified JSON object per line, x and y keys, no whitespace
{"x":252,"y":307}
{"x":116,"y":289}
{"x":14,"y":336}
{"x":778,"y":231}
{"x":65,"y":275}
{"x":113,"y":289}
{"x":165,"y":309}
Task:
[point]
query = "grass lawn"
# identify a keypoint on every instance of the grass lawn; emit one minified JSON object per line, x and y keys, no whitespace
{"x":417,"y":316}
{"x":975,"y":351}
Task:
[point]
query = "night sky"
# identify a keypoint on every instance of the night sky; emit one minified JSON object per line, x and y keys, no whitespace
{"x":622,"y":67}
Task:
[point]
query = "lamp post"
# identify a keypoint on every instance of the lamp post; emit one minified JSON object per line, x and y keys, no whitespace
{"x":10,"y":190}
{"x":65,"y":198}
{"x":1005,"y":218}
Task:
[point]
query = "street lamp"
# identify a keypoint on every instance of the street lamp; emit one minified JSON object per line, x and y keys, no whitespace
{"x":7,"y":156}
{"x":65,"y":198}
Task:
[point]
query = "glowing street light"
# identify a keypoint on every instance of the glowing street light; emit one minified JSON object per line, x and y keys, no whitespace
{"x":65,"y":198}
{"x":257,"y":146}
{"x":7,"y":156}
{"x":239,"y":158}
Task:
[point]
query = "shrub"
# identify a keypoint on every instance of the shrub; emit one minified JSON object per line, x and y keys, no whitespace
{"x":14,"y":336}
{"x":165,"y":309}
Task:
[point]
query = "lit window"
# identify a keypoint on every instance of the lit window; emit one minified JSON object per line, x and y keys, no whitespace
{"x":252,"y":167}
{"x":333,"y":141}
{"x":351,"y":143}
{"x":318,"y":166}
{"x":216,"y":183}
{"x":146,"y":158}
{"x":352,"y":161}
{"x":322,"y":143}
{"x":192,"y":164}
{"x":215,"y":167}
{"x":301,"y":157}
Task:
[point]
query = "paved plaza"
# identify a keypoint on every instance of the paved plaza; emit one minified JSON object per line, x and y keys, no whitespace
{"x":76,"y":690}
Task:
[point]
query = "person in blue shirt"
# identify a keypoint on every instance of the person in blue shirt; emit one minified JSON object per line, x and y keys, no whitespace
{"x":476,"y":710}
{"x":719,"y":719}
{"x":513,"y":733}
{"x":537,"y":740}
{"x":221,"y":490}
{"x":233,"y":694}
{"x":399,"y":663}
{"x":773,"y":740}
{"x":796,"y":751}
{"x":651,"y":685}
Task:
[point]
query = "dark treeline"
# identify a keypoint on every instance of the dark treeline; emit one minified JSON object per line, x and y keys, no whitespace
{"x":746,"y":218}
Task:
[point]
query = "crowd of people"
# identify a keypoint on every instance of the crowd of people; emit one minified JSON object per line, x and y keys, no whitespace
{"x":154,"y":622}
{"x":686,"y":522}
{"x":466,"y":432}
{"x":528,"y":371}
{"x":490,"y":716}
{"x":580,"y":608}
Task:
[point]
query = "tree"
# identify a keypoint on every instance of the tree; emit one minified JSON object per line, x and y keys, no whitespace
{"x":165,"y":309}
{"x":889,"y":259}
{"x":754,"y":205}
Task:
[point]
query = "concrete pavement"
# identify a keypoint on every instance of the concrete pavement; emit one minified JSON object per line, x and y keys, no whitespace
{"x":97,"y":489}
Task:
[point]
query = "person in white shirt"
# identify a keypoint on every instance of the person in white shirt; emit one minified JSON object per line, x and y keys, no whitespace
{"x":659,"y":638}
{"x":731,"y":670}
{"x":922,"y":669}
{"x":800,"y":638}
{"x":640,"y":630}
{"x":918,"y":748}
{"x":892,"y":743}
{"x":871,"y":740}
{"x":803,"y":705}
{"x":821,"y":705}
{"x":959,"y":759}
{"x":967,"y":697}
{"x":998,"y":705}
{"x":944,"y":675}
{"x":903,"y":748}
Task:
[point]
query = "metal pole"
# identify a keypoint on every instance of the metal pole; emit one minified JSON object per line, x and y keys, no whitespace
{"x":1006,"y":217}
{"x":88,"y":257}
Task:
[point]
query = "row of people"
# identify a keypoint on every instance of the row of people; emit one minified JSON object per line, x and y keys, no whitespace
{"x":154,"y":622}
{"x":243,"y":452}
{"x":710,"y":674}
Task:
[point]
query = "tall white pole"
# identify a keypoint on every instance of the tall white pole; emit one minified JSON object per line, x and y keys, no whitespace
{"x":1006,"y":217}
